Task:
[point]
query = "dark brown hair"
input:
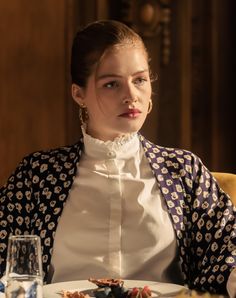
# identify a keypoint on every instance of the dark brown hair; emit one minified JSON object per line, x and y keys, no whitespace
{"x":91,"y":42}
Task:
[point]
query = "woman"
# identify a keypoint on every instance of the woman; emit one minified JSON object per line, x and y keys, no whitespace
{"x":114,"y":204}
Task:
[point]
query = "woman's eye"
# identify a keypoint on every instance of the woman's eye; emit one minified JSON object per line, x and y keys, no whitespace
{"x":111,"y":85}
{"x":140,"y":81}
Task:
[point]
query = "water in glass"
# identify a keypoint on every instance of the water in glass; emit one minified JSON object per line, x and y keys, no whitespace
{"x":24,"y":267}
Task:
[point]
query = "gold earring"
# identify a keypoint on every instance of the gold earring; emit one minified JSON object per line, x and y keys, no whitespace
{"x":83,"y":113}
{"x":149,"y":106}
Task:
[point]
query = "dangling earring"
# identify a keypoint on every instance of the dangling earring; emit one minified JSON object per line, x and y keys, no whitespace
{"x":83,"y":113}
{"x":149,"y":106}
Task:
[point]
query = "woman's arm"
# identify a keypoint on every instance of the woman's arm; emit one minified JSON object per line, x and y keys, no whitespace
{"x":213,"y":232}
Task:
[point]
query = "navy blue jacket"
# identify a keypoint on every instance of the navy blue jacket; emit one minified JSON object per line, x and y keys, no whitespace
{"x":202,"y":214}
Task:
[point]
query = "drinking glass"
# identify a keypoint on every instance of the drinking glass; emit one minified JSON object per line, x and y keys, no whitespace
{"x":24,"y":267}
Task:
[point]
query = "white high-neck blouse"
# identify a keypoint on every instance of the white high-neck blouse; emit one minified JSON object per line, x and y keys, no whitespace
{"x":115,"y":221}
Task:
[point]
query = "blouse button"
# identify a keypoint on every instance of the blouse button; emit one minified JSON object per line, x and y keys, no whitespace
{"x":111,"y":154}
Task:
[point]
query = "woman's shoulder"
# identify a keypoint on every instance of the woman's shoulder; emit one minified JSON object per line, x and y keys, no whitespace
{"x":167,"y":152}
{"x":58,"y":151}
{"x":54,"y":162}
{"x":68,"y":153}
{"x":175,"y":161}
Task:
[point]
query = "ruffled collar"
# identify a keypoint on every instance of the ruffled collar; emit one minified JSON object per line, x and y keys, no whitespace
{"x":121,"y":146}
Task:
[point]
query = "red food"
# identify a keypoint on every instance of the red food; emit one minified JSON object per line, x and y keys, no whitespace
{"x":76,"y":294}
{"x":144,"y":292}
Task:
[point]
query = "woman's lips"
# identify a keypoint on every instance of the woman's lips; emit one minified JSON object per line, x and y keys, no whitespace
{"x":131,"y":113}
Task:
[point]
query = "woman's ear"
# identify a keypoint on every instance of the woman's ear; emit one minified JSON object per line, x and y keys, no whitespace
{"x":77,"y":93}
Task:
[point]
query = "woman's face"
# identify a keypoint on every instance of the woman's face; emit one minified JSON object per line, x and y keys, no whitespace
{"x":117,"y":94}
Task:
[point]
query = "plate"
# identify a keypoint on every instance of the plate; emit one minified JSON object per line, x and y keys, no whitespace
{"x":157,"y":288}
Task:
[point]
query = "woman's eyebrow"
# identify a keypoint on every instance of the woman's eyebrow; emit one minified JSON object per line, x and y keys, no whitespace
{"x":140,"y":72}
{"x":111,"y":75}
{"x":108,"y":75}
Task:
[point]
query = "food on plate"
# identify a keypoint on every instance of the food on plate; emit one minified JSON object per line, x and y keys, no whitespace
{"x":74,"y":294}
{"x":110,"y":288}
{"x":107,"y":282}
{"x":114,"y":288}
{"x":144,"y":292}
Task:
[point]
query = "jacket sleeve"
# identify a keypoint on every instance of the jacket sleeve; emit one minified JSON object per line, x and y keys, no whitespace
{"x":213,"y":232}
{"x":15,"y":207}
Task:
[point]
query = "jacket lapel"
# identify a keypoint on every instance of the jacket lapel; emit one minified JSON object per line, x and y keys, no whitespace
{"x":165,"y":167}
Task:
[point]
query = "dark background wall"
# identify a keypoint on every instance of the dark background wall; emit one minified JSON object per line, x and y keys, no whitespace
{"x":192,"y":46}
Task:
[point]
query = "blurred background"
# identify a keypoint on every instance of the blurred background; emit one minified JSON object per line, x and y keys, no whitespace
{"x":192,"y":44}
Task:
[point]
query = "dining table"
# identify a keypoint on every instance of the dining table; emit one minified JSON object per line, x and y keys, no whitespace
{"x":158,"y":289}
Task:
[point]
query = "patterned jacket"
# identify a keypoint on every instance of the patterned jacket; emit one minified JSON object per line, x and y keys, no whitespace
{"x":202,"y":214}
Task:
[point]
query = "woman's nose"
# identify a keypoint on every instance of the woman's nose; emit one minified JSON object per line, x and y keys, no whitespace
{"x":130,"y":99}
{"x":129,"y":96}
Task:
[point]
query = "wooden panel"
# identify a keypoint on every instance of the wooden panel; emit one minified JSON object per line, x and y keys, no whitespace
{"x":185,"y":39}
{"x":32,"y":79}
{"x":201,"y":80}
{"x":213,"y":81}
{"x":223,"y":89}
